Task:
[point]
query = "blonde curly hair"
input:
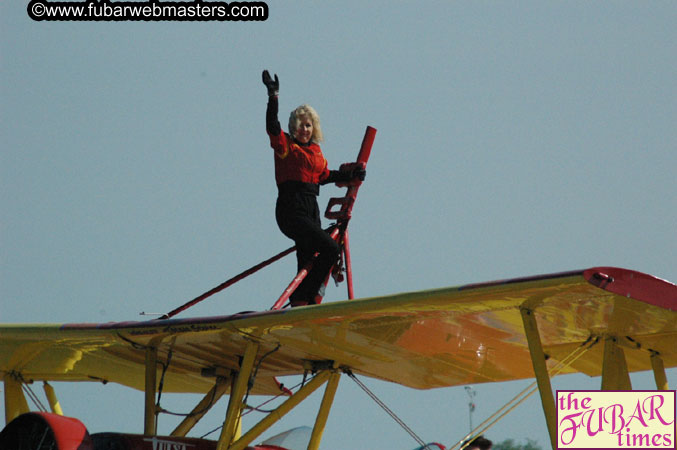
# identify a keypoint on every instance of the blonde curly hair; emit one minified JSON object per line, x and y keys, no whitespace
{"x":306,"y":111}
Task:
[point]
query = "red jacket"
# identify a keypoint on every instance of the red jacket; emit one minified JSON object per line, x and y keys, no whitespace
{"x":295,"y":162}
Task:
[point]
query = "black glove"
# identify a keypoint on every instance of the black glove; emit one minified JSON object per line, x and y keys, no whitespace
{"x":359,"y":173}
{"x":354,"y":171}
{"x":347,"y":173}
{"x":273,"y":86}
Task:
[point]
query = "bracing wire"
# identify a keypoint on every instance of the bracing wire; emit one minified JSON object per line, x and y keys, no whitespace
{"x":27,"y":389}
{"x":161,"y":410}
{"x":525,"y":394}
{"x":252,"y":409}
{"x":390,"y":412}
{"x":250,"y":384}
{"x":34,"y":398}
{"x":165,"y":366}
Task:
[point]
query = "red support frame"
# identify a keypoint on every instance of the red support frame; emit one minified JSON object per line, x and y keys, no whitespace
{"x":342,"y":216}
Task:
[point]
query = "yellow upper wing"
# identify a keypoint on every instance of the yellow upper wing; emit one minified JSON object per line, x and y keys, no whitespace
{"x":444,"y":337}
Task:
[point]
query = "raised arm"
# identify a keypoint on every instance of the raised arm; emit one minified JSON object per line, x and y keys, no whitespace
{"x":272,"y":123}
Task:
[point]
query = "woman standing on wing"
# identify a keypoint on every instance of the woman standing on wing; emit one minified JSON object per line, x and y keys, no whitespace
{"x":300,"y":169}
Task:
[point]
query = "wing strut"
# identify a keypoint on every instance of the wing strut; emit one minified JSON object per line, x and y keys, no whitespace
{"x":323,"y":413}
{"x":234,"y":412}
{"x":54,"y":404}
{"x":541,"y":371}
{"x":15,"y":401}
{"x":526,"y":393}
{"x":283,"y":409}
{"x":659,"y":372}
{"x":615,"y":375}
{"x":150,"y":418}
{"x":213,"y":396}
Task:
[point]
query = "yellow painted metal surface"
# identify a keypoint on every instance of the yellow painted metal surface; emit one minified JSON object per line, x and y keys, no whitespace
{"x":659,"y":373}
{"x":234,"y":412}
{"x":323,"y":413}
{"x":424,"y":340}
{"x":540,"y":369}
{"x":615,"y":376}
{"x":54,"y":404}
{"x":202,"y":408}
{"x":15,"y":401}
{"x":149,"y":416}
{"x":279,"y":412}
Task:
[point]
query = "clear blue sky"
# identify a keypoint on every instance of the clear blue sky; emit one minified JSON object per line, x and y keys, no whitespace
{"x":514,"y":138}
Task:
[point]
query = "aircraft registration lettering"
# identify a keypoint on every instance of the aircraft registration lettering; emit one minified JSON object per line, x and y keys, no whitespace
{"x":161,"y":444}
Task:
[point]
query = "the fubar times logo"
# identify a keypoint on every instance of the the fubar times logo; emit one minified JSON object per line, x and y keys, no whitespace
{"x":616,"y":420}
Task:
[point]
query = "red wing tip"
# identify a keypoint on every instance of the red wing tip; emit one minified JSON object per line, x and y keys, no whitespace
{"x":635,"y":285}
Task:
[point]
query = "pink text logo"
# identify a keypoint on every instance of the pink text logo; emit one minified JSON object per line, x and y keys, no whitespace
{"x":615,"y":419}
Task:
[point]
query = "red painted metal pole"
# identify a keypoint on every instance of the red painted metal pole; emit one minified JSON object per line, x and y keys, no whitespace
{"x":346,"y":202}
{"x":367,"y":143}
{"x":349,"y":268}
{"x":293,"y":285}
{"x":227,"y":283}
{"x":299,"y":277}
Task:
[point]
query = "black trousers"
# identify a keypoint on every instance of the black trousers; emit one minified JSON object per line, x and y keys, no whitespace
{"x":298,"y":217}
